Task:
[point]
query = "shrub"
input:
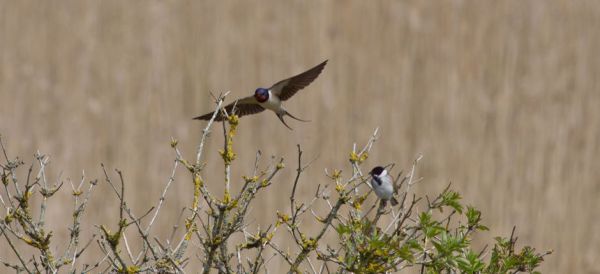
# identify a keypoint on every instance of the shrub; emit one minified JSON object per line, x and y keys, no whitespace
{"x":370,"y":239}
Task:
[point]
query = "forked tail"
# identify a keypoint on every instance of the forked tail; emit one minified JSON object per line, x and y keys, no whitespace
{"x":283,"y":121}
{"x":294,"y":117}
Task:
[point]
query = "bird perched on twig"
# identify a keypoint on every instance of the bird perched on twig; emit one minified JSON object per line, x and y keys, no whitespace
{"x":383,"y":184}
{"x":270,"y":98}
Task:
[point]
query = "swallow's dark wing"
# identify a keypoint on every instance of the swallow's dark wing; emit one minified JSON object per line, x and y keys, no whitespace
{"x":288,"y":87}
{"x":243,"y":107}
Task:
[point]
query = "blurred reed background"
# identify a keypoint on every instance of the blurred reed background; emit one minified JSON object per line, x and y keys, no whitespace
{"x":501,"y":97}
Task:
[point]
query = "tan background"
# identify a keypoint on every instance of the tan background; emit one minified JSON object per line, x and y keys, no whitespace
{"x":501,"y":97}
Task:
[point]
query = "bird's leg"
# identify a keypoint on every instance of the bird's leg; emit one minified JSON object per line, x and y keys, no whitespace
{"x":383,"y":203}
{"x":294,"y":117}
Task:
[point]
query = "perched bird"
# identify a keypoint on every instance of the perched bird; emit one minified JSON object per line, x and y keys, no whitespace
{"x":383,"y":184}
{"x":270,"y":98}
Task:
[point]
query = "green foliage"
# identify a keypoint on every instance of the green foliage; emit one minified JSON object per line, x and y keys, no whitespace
{"x":430,"y":243}
{"x":432,"y":236}
{"x":504,"y":258}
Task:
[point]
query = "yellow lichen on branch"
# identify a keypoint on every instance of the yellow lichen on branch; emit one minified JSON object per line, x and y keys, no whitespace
{"x":197,"y":186}
{"x":228,"y":154}
{"x":358,"y":158}
{"x":190,"y":226}
{"x":358,"y":201}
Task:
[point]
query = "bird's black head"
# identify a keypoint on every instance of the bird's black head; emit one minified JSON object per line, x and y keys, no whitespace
{"x":261,"y":94}
{"x":376,"y":171}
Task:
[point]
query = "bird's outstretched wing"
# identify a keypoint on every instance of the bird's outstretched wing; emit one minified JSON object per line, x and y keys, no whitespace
{"x":244,"y":106}
{"x":288,"y":87}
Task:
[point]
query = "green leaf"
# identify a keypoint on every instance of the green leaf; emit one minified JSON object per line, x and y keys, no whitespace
{"x":471,"y":263}
{"x":451,"y":198}
{"x":425,"y":219}
{"x":473,"y":218}
{"x":342,"y":229}
{"x":406,"y":253}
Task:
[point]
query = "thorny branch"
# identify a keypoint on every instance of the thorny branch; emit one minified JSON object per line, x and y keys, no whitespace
{"x":391,"y":239}
{"x":18,"y":224}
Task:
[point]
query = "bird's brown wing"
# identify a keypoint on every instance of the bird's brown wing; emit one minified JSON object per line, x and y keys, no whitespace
{"x":243,"y":107}
{"x":285,"y":89}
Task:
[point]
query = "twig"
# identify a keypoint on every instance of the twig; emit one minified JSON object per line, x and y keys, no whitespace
{"x":162,"y":197}
{"x":17,"y":253}
{"x":207,"y":128}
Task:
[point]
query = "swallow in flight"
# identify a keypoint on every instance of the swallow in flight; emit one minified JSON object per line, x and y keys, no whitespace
{"x":270,"y":98}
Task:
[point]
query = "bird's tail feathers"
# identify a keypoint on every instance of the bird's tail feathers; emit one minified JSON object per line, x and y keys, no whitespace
{"x":283,"y":121}
{"x":394,"y":201}
{"x":295,"y":118}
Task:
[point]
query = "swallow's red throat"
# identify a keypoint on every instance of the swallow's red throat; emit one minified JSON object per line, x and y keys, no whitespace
{"x":261,"y":98}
